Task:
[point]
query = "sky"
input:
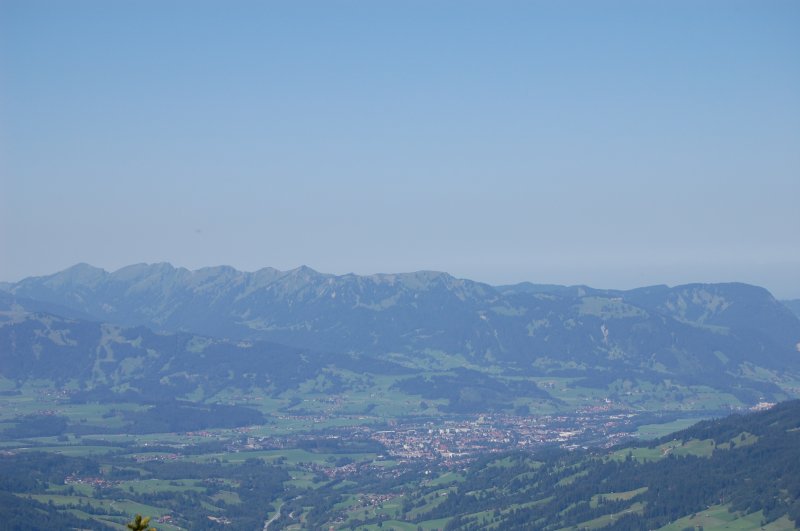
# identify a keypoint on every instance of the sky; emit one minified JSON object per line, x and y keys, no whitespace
{"x":614,"y":144}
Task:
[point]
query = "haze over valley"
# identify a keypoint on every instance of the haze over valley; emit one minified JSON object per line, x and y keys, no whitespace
{"x":552,"y":268}
{"x":364,"y":376}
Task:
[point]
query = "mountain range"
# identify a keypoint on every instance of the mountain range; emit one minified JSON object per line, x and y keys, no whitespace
{"x":733,"y":337}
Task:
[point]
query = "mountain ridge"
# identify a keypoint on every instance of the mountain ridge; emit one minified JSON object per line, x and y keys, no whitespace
{"x":723,"y":335}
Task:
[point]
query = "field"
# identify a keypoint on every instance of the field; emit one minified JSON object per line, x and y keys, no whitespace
{"x":718,"y":517}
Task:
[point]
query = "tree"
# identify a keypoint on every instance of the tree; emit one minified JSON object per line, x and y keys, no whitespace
{"x":140,"y":524}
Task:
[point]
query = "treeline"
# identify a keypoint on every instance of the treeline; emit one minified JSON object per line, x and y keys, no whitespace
{"x":469,"y":391}
{"x":327,"y":445}
{"x":254,"y":483}
{"x":35,"y":426}
{"x":23,"y":514}
{"x":31,"y":472}
{"x":186,"y":416}
{"x":28,"y":472}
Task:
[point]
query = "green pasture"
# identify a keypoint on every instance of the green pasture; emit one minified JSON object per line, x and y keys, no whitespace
{"x":74,"y":450}
{"x":608,"y":519}
{"x":151,"y":486}
{"x":506,"y":462}
{"x":77,"y":489}
{"x":569,"y":480}
{"x":616,"y":496}
{"x":301,"y":479}
{"x":695,"y":447}
{"x":431,"y":501}
{"x":656,"y":431}
{"x":444,"y":479}
{"x":398,"y":525}
{"x":128,"y":507}
{"x":292,"y":456}
{"x":718,"y":517}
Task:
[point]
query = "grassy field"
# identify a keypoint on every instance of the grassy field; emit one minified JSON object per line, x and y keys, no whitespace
{"x":444,"y":479}
{"x":569,"y":480}
{"x":76,"y":450}
{"x":616,"y":496}
{"x":717,"y":518}
{"x":128,"y":507}
{"x":609,"y":519}
{"x":431,"y":501}
{"x":655,"y":431}
{"x":301,"y":479}
{"x":291,"y":456}
{"x":151,"y":486}
{"x":406,"y":526}
{"x":696,"y":447}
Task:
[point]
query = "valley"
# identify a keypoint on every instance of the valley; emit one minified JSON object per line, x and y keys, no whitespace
{"x":300,"y":472}
{"x":374,"y":408}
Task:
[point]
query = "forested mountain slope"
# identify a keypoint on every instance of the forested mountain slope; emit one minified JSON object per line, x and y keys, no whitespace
{"x":719,"y":325}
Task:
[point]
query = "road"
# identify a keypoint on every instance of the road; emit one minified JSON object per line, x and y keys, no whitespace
{"x":274,"y":517}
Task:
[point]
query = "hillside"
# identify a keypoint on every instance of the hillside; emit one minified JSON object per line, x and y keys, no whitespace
{"x":734,"y":338}
{"x":793,"y":305}
{"x":101,"y":361}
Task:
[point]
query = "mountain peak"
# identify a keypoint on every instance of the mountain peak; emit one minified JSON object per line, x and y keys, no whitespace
{"x":81,"y":273}
{"x":305,"y":270}
{"x":143,"y":270}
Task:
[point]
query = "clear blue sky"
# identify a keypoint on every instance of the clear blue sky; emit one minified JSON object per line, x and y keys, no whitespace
{"x":615,"y":144}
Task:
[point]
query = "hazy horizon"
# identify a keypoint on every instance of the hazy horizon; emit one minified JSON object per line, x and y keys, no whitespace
{"x":387,"y":272}
{"x":614,"y":144}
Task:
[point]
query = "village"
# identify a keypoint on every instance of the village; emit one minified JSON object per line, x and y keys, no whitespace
{"x":459,"y":440}
{"x":455,"y":440}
